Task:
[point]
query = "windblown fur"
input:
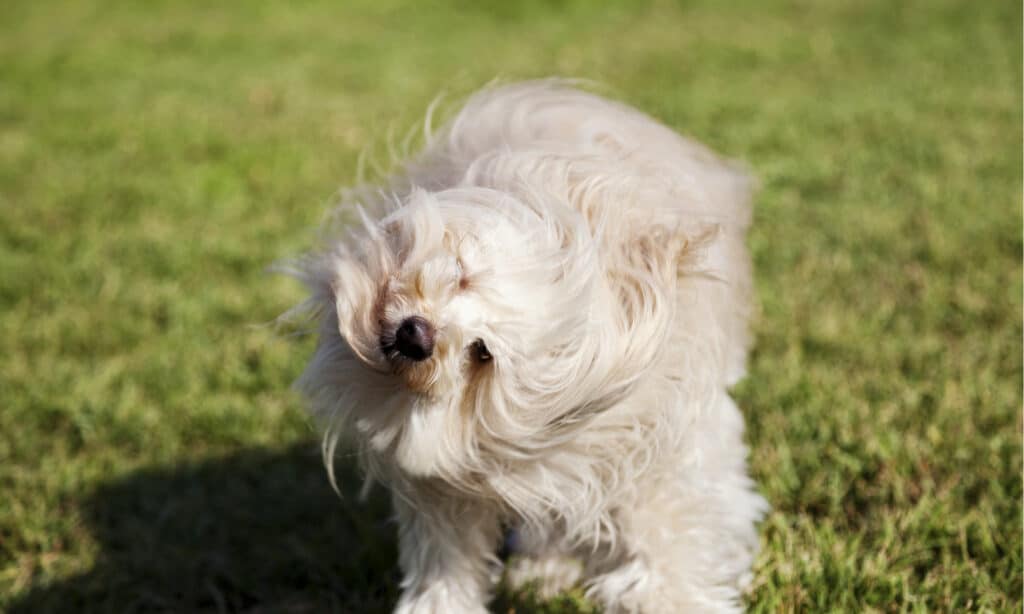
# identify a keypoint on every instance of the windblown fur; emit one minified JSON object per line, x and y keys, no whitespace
{"x":599,"y":258}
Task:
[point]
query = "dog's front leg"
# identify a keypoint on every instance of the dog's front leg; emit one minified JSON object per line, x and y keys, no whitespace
{"x":446,"y":552}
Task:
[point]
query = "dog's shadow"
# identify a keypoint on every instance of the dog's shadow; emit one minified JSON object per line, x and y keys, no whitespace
{"x":258,"y":531}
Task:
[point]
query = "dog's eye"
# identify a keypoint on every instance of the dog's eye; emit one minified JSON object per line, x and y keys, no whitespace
{"x":478,"y":349}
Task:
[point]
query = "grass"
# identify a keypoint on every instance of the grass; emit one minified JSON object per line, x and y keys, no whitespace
{"x":156,"y":157}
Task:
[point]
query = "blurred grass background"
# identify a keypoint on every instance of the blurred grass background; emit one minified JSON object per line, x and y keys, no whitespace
{"x":155,"y":157}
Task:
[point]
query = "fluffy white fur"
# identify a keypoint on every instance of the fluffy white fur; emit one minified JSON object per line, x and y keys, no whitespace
{"x":600,"y":258}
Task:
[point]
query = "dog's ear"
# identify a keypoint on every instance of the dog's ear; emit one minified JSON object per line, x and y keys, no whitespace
{"x":645,"y":268}
{"x":655,"y":257}
{"x":343,"y":295}
{"x":644,"y":272}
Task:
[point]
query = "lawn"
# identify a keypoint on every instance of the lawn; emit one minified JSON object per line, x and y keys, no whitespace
{"x":156,"y":157}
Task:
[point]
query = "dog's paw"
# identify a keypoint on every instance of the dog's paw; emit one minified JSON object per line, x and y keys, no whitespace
{"x":635,"y":588}
{"x":439,"y":599}
{"x":546,"y":575}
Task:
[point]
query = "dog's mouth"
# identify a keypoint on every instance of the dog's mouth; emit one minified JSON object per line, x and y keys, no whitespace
{"x":408,"y":347}
{"x":420,"y":379}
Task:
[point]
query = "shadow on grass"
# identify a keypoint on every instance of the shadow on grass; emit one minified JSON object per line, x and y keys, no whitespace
{"x":257,"y":531}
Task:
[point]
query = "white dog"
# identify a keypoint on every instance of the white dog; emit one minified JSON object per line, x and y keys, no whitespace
{"x":534,"y":327}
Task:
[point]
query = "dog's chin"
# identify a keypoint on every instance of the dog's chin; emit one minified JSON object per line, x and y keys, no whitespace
{"x":412,"y":425}
{"x":419,"y":380}
{"x":428,"y":444}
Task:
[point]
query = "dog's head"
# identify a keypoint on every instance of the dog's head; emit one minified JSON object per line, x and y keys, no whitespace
{"x":471,"y":327}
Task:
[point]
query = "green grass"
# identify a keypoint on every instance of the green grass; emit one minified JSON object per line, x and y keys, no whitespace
{"x":156,"y":157}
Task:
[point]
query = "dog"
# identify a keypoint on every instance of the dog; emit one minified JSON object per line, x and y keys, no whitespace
{"x":533,"y":325}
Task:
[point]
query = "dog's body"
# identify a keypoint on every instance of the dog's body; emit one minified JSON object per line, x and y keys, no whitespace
{"x":535,"y":328}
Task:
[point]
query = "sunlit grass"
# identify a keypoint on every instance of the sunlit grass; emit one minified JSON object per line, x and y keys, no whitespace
{"x":155,"y":158}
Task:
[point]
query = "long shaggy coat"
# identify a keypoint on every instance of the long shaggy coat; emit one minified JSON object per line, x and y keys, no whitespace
{"x":583,"y":275}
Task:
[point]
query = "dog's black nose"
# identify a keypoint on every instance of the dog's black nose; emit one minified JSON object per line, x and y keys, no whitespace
{"x":414,"y":338}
